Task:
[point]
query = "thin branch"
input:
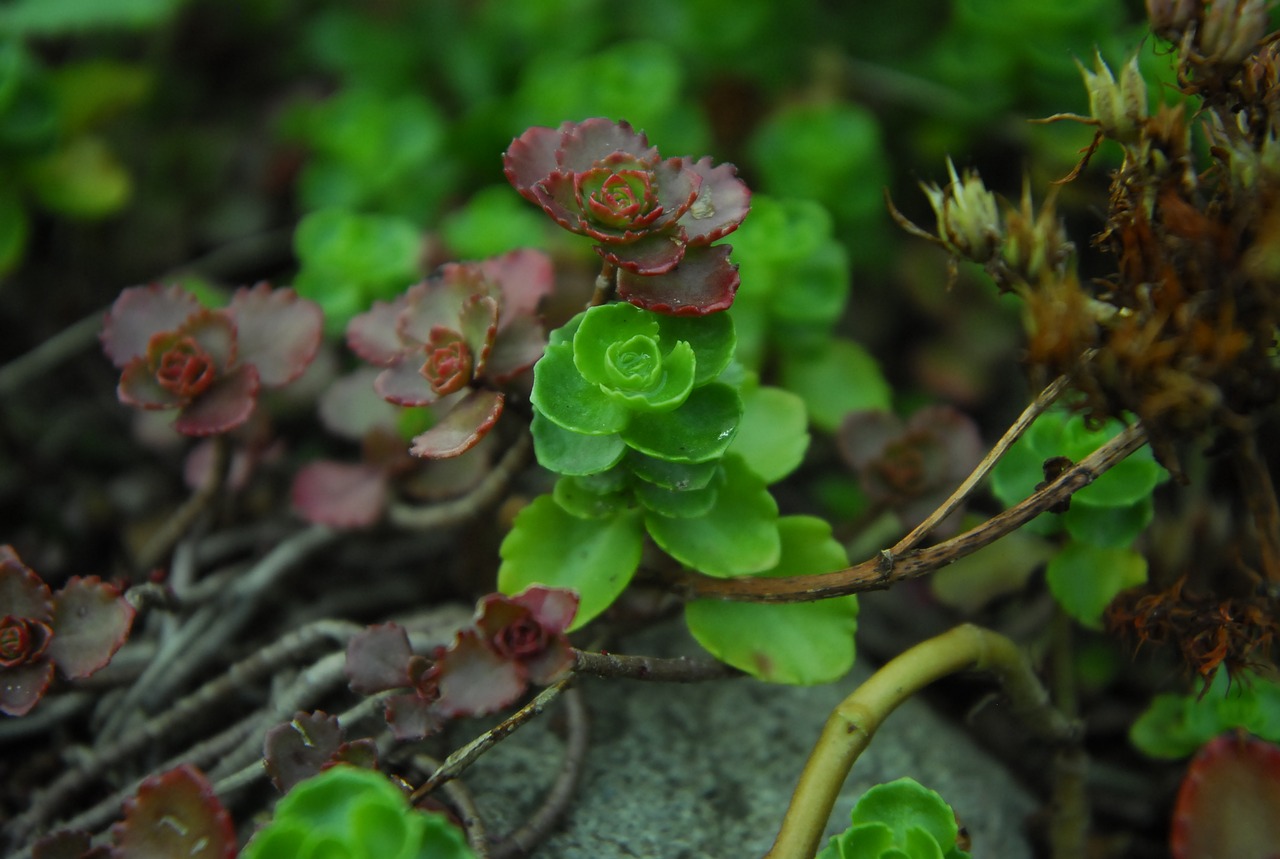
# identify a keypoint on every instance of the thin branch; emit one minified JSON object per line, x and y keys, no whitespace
{"x":464,"y":805}
{"x":553,"y":806}
{"x":886,"y":568}
{"x":181,"y":520}
{"x":480,"y":496}
{"x":678,"y":670}
{"x":1011,"y":435}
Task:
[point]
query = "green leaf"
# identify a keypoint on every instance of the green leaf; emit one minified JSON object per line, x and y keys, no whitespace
{"x":905,"y":805}
{"x":680,"y":503}
{"x":671,"y":475}
{"x":91,"y":92}
{"x":799,"y":643}
{"x":700,"y":430}
{"x":83,"y":179}
{"x":14,"y":227}
{"x":567,"y":452}
{"x":592,"y":498}
{"x":1084,"y":579}
{"x":711,"y":337}
{"x":1175,"y":726}
{"x":1113,"y":527}
{"x":841,"y":378}
{"x":568,"y":400}
{"x":737,"y":537}
{"x":595,"y":557}
{"x":64,"y":17}
{"x":774,"y":433}
{"x":493,"y":221}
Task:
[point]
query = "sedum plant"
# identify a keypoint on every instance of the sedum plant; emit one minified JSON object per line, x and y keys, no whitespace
{"x":901,"y":819}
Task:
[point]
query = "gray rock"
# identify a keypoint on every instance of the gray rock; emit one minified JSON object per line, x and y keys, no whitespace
{"x":705,"y":771}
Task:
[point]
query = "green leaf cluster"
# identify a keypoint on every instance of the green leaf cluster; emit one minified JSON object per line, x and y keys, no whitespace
{"x":1103,"y":519}
{"x":1175,"y":726}
{"x":353,"y":812}
{"x":898,"y":820}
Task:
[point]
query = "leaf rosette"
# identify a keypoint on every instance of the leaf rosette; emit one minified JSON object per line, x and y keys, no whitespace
{"x":653,"y":218}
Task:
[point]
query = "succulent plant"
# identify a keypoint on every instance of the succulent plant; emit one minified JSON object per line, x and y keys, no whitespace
{"x":1228,"y":800}
{"x":78,"y":630}
{"x":350,"y":811}
{"x":210,"y":364}
{"x":460,"y":334}
{"x":653,"y":218}
{"x":514,"y":641}
{"x":901,"y":819}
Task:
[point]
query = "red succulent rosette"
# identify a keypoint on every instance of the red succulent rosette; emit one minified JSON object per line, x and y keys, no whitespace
{"x":463,"y":333}
{"x":208,"y":364}
{"x":78,"y":630}
{"x":653,"y":218}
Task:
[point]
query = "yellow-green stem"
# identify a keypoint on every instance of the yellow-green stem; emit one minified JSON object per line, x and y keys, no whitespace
{"x":855,"y":720}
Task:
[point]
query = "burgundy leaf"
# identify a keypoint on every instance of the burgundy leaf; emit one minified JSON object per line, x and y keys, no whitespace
{"x":552,"y":664}
{"x":651,"y":254}
{"x":584,"y":143}
{"x":175,"y":814}
{"x":525,"y":277}
{"x":517,"y":347}
{"x":722,"y":202}
{"x":438,"y":301}
{"x":91,"y":620}
{"x":339,"y":494}
{"x":223,"y":407}
{"x":350,"y":407}
{"x":215,"y":333}
{"x":22,"y":592}
{"x":298,"y":749}
{"x":23,"y":686}
{"x":378,"y":659}
{"x":530,"y":158}
{"x":23,"y":640}
{"x":373,"y":335}
{"x":462,"y":428}
{"x":473,"y":680}
{"x":863,"y":435}
{"x":478,"y":325}
{"x":411,"y":717}
{"x":141,"y":312}
{"x":276,"y":331}
{"x":554,"y":608}
{"x":140,"y":387}
{"x":402,"y":382}
{"x":68,"y":844}
{"x":1228,"y":802}
{"x":704,"y":282}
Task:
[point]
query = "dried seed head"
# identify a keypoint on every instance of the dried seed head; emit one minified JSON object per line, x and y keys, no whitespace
{"x":1120,"y":107}
{"x":1232,"y":30}
{"x":968,"y":220}
{"x":1169,"y":18}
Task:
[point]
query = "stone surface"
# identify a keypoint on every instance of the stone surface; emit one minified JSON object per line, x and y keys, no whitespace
{"x":705,"y":771}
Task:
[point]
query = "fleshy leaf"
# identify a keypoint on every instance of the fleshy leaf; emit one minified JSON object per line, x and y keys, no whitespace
{"x":590,"y":498}
{"x":841,"y":378}
{"x":91,"y":620}
{"x":903,"y":805}
{"x":568,"y":400}
{"x":473,"y":680}
{"x":517,"y":347}
{"x":700,"y":429}
{"x":412,"y":717}
{"x":276,"y":331}
{"x":1228,"y":800}
{"x":678,"y":476}
{"x":378,"y":659}
{"x":223,"y":407}
{"x":704,"y":282}
{"x":297,"y":749}
{"x":1084,"y":579}
{"x":595,"y":557}
{"x":801,"y":643}
{"x":711,"y":336}
{"x":773,"y":434}
{"x":350,"y":406}
{"x":567,"y":452}
{"x":22,"y":687}
{"x":374,"y":335}
{"x":739,"y":536}
{"x":173,"y":814}
{"x":22,"y":592}
{"x":402,"y":383}
{"x":141,"y":312}
{"x":682,"y":504}
{"x":649,"y":256}
{"x":340,"y":494}
{"x":462,"y":428}
{"x":1109,"y":527}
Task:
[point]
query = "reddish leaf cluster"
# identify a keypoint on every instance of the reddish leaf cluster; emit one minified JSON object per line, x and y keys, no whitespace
{"x":913,"y":467}
{"x":309,"y":744}
{"x":453,"y":340}
{"x":653,"y":218}
{"x":209,"y":364}
{"x":513,"y":642}
{"x":78,"y":630}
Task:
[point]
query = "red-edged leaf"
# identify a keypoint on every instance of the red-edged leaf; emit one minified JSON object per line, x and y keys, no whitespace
{"x":473,"y":680}
{"x":139,"y":387}
{"x":378,"y":659}
{"x":530,"y":158}
{"x":276,"y":331}
{"x":216,"y":334}
{"x":517,"y":347}
{"x":300,"y":748}
{"x":553,"y":608}
{"x":411,"y":717}
{"x":478,"y":325}
{"x":358,"y":753}
{"x":340,"y":494}
{"x":438,"y":301}
{"x":351,"y":407}
{"x":553,"y":663}
{"x":402,"y":383}
{"x":22,"y":592}
{"x":722,"y":202}
{"x":141,"y":312}
{"x":462,"y":428}
{"x":525,"y":277}
{"x":91,"y":620}
{"x":223,"y":407}
{"x":651,"y":255}
{"x":1228,"y":802}
{"x":175,"y":814}
{"x":584,"y":143}
{"x":704,"y":282}
{"x":68,"y":844}
{"x":373,"y":335}
{"x":23,"y":686}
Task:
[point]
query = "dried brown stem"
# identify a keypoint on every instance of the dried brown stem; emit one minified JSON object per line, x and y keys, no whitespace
{"x":887,"y":568}
{"x":677,"y":670}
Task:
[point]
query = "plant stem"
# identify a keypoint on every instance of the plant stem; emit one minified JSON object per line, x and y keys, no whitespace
{"x":855,"y":720}
{"x":606,"y":282}
{"x":484,"y":493}
{"x":1069,"y":812}
{"x":177,"y":525}
{"x":885,"y":569}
